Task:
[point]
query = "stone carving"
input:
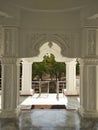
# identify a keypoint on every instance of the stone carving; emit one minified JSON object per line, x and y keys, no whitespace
{"x":38,"y":39}
{"x":50,"y":44}
{"x":91,"y":42}
{"x":7,"y":38}
{"x":10,"y":41}
{"x":8,"y":60}
{"x":49,"y":37}
{"x":63,"y":38}
{"x":90,"y":22}
{"x":88,"y":61}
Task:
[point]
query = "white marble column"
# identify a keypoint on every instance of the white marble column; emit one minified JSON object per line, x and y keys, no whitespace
{"x":26,"y":78}
{"x":89,"y":87}
{"x":71,"y":78}
{"x":10,"y":88}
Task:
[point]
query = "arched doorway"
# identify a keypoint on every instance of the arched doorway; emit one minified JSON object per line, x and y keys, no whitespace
{"x":52,"y":48}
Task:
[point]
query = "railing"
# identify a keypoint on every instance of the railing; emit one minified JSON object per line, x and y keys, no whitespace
{"x":37,"y":85}
{"x":61,"y":85}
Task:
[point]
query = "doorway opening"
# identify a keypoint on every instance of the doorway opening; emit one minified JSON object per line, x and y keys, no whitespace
{"x":41,"y":87}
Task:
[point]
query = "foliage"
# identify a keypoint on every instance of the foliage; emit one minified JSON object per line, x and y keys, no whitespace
{"x":38,"y":69}
{"x":50,"y":67}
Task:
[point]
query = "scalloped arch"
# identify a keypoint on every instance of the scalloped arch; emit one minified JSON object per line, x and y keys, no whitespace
{"x":40,"y":39}
{"x":50,"y":48}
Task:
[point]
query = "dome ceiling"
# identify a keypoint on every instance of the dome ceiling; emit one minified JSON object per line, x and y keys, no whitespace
{"x":50,"y":5}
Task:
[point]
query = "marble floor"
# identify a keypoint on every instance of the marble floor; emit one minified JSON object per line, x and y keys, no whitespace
{"x":70,"y":102}
{"x":49,"y":119}
{"x":42,"y":119}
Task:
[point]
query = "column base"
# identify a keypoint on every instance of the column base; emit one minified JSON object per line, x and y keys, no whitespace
{"x":88,"y":113}
{"x":22,"y":93}
{"x":71,"y":93}
{"x":10,"y":113}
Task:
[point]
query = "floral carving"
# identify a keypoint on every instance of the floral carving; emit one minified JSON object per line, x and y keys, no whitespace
{"x":63,"y":40}
{"x":91,"y":42}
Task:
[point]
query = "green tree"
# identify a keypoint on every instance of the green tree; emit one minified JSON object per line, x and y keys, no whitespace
{"x":38,"y":69}
{"x":60,"y":70}
{"x":49,"y":62}
{"x":48,"y":66}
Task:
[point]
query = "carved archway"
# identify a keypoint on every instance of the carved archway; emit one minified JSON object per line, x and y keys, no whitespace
{"x":49,"y":48}
{"x":62,"y":40}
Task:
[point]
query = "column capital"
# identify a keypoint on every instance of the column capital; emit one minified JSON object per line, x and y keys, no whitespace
{"x":88,"y":61}
{"x":8,"y":60}
{"x":71,"y":62}
{"x":26,"y":62}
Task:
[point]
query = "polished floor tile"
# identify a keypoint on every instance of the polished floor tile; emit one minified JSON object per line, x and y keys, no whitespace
{"x":50,"y":119}
{"x":56,"y":120}
{"x":42,"y":119}
{"x":71,"y":102}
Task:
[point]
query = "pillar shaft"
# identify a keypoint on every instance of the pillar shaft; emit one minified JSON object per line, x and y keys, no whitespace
{"x":71,"y":78}
{"x":26,"y":78}
{"x":89,"y":87}
{"x":10,"y":88}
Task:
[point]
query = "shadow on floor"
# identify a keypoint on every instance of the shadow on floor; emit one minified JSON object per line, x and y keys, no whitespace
{"x":48,"y":107}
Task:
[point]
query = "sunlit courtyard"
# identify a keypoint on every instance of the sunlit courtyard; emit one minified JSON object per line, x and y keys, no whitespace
{"x":70,"y":102}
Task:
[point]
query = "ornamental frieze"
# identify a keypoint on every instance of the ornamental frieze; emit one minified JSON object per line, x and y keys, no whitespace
{"x":8,"y":60}
{"x":63,"y":40}
{"x":88,"y":61}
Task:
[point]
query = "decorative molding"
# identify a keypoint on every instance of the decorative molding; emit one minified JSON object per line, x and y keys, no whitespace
{"x":88,"y":113}
{"x":7,"y":41}
{"x":90,"y":23}
{"x":8,"y":60}
{"x":10,"y":114}
{"x":50,"y":44}
{"x":10,"y":41}
{"x":56,"y":10}
{"x":63,"y":40}
{"x":88,"y":61}
{"x":45,"y":37}
{"x":18,"y":61}
{"x":91,"y":42}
